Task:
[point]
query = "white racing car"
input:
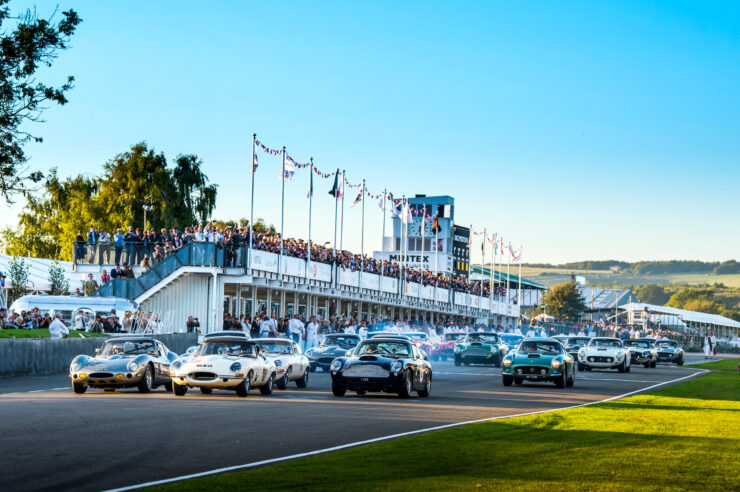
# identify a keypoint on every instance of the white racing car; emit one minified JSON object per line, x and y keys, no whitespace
{"x":290,"y":363}
{"x":227,"y":363}
{"x":604,"y":353}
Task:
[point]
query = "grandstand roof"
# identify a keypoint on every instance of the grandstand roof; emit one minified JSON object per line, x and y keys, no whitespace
{"x":687,"y":316}
{"x":606,"y":298}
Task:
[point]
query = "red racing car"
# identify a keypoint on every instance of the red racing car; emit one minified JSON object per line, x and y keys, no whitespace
{"x":445,"y":347}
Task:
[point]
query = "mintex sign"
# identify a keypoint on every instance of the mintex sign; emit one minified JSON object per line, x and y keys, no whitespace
{"x":425,"y":261}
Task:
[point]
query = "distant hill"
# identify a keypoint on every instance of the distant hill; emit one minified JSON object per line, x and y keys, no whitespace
{"x":647,"y":267}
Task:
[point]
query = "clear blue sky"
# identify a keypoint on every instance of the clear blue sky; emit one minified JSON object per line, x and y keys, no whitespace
{"x":582,"y":130}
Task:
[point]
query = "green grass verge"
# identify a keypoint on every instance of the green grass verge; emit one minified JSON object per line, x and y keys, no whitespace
{"x":686,"y":436}
{"x":44,"y":333}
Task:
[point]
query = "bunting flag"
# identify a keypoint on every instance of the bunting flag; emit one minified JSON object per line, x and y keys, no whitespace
{"x":289,"y":172}
{"x":310,"y":187}
{"x":357,"y":199}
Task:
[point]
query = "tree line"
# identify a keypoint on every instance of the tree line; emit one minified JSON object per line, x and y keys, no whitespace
{"x":649,"y":267}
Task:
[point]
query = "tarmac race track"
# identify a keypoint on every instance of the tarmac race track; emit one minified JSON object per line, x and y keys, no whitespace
{"x":55,"y":440}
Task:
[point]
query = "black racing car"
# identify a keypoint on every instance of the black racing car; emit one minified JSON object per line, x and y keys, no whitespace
{"x":390,"y":365}
{"x":573,"y":344}
{"x":669,"y":351}
{"x":331,"y":347}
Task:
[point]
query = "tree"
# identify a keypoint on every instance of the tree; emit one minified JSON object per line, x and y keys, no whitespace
{"x":58,"y":280}
{"x":30,"y":43}
{"x":565,"y":302}
{"x":18,"y":273}
{"x":652,"y":294}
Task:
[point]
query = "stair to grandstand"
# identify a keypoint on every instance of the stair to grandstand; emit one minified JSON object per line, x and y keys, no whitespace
{"x":193,"y":257}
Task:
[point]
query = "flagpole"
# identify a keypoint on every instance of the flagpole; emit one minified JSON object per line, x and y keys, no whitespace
{"x":382,"y":244}
{"x":436,"y":260}
{"x":519,"y":290}
{"x":341,"y":230}
{"x":403,"y":247}
{"x":500,"y":266}
{"x":251,"y":203}
{"x":508,"y":278}
{"x":490,"y":278}
{"x":334,"y":259}
{"x":483,"y":259}
{"x":282,"y":219}
{"x":470,"y":247}
{"x":310,"y":203}
{"x":362,"y":239}
{"x":421,"y":263}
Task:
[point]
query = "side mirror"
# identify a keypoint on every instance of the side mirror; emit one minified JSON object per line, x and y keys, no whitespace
{"x":97,"y":351}
{"x":349,"y":353}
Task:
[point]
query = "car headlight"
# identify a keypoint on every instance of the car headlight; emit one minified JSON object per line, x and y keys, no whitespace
{"x":336,"y":365}
{"x":75,"y":366}
{"x":582,"y":352}
{"x":310,"y":351}
{"x":397,"y":366}
{"x":555,"y":364}
{"x":176,"y":365}
{"x":235,"y":366}
{"x":507,"y":362}
{"x":132,"y":366}
{"x":278,"y":363}
{"x":619,"y":354}
{"x":458,"y":349}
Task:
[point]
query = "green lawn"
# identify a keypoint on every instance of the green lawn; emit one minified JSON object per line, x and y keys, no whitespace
{"x":686,"y":436}
{"x":44,"y":333}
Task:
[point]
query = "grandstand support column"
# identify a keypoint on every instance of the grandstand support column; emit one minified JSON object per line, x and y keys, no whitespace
{"x":326,"y":308}
{"x":393,"y":313}
{"x":359,"y":310}
{"x":295,"y":302}
{"x":238,"y":308}
{"x":282,"y":304}
{"x":254,"y":301}
{"x":269,"y":302}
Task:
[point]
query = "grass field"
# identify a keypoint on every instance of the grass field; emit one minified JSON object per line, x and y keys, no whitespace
{"x":553,"y":276}
{"x":43,"y":333}
{"x":686,"y":436}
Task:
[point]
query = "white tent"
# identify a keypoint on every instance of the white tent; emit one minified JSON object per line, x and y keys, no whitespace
{"x":39,"y":273}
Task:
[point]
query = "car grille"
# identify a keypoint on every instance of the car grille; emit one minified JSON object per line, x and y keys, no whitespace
{"x":531,"y":370}
{"x":325,"y":360}
{"x":477,"y":351}
{"x":365,"y":371}
{"x":665,"y":355}
{"x":101,"y":375}
{"x":600,"y":359}
{"x":202,"y":375}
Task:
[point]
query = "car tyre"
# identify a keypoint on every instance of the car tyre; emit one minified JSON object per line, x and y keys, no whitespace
{"x":507,"y":379}
{"x":303,"y":382}
{"x":242,"y":389}
{"x":406,"y":386}
{"x":571,"y":381}
{"x":179,"y":389}
{"x":647,"y":365}
{"x":654,"y":364}
{"x":562,"y":381}
{"x":497,"y":360}
{"x":458,"y":362}
{"x":282,"y":383}
{"x":680,"y":361}
{"x":338,"y":389}
{"x":168,"y":386}
{"x":147,"y":381}
{"x":79,"y":388}
{"x":312,"y":368}
{"x":621,"y":367}
{"x":427,"y":388}
{"x":581,"y":367}
{"x":266,"y":389}
{"x":205,"y":390}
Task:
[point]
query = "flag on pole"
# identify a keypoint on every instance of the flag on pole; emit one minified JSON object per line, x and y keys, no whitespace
{"x":483,"y":244}
{"x":287,"y":175}
{"x":511,"y":250}
{"x":335,"y":189}
{"x":407,"y":217}
{"x":396,"y":211}
{"x":435,"y":226}
{"x":381,"y":203}
{"x":310,"y":185}
{"x":423,"y":221}
{"x":254,"y":161}
{"x":357,"y":199}
{"x":470,"y":235}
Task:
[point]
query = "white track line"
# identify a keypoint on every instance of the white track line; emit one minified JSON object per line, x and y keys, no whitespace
{"x":384,"y":438}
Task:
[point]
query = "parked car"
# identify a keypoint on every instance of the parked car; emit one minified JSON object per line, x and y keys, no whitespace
{"x":331,"y":346}
{"x":124,"y":362}
{"x":390,"y":365}
{"x":539,"y":360}
{"x":290,"y":363}
{"x":669,"y":351}
{"x":480,"y":348}
{"x":226,"y":363}
{"x":446,"y":347}
{"x":604,"y":353}
{"x":642,"y":351}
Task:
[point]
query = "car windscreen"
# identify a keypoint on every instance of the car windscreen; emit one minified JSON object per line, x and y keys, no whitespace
{"x":602,"y":342}
{"x":453,"y":337}
{"x":342,"y":341}
{"x":578,"y":341}
{"x":384,"y":349}
{"x":231,"y":348}
{"x":416,"y":336}
{"x":482,"y":337}
{"x":276,"y":347}
{"x":128,"y":347}
{"x":636,"y":343}
{"x":667,"y":343}
{"x":536,"y":347}
{"x":511,"y":339}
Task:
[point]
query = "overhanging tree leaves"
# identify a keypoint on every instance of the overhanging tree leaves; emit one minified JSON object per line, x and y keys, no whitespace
{"x":29,"y":43}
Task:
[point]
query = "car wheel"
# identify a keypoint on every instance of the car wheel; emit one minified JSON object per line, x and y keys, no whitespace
{"x":562,"y":381}
{"x":654,"y":364}
{"x":680,"y":362}
{"x":79,"y":388}
{"x":168,"y":386}
{"x":313,"y":368}
{"x":303,"y":382}
{"x":266,"y":389}
{"x":572,"y":379}
{"x":179,"y":389}
{"x":147,"y":381}
{"x":282,"y":383}
{"x":242,"y":389}
{"x":497,"y":360}
{"x":427,"y":389}
{"x":621,"y":367}
{"x":406,"y":386}
{"x":205,"y":390}
{"x":507,"y":379}
{"x":466,"y":364}
{"x":627,"y":369}
{"x":458,"y":362}
{"x":646,"y":365}
{"x":361,"y":392}
{"x":338,"y":389}
{"x":581,"y":367}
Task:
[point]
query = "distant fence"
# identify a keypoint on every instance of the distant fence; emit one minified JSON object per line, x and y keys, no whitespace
{"x":36,"y":356}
